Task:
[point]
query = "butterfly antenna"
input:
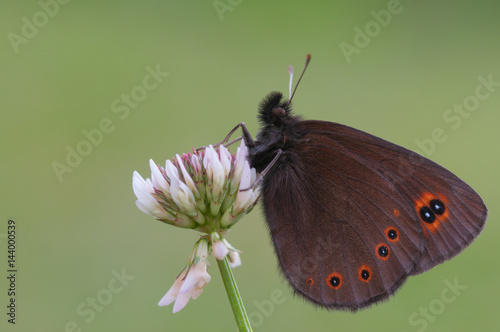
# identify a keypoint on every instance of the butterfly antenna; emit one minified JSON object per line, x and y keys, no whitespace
{"x":308,"y":58}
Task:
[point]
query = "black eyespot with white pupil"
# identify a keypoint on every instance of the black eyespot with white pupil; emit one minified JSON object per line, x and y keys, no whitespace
{"x":437,"y":207}
{"x":365,"y":274}
{"x":427,"y":215}
{"x":434,"y":207}
{"x":392,"y":234}
{"x":335,"y":282}
{"x":383,"y":251}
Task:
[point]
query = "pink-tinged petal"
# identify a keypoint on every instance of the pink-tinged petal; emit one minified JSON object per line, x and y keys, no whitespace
{"x":187,"y":178}
{"x":197,"y":274}
{"x":210,"y":158}
{"x":195,"y":161}
{"x":158,"y":180}
{"x":145,"y":206}
{"x":181,"y":301}
{"x":215,"y":171}
{"x":219,"y":249}
{"x":239,"y":164}
{"x":146,"y":202}
{"x":234,"y":259}
{"x":141,"y":187}
{"x":183,"y":197}
{"x":244,"y":198}
{"x":225,"y":160}
{"x":196,"y":293}
{"x":171,"y":171}
{"x":154,"y":208}
{"x":173,"y":291}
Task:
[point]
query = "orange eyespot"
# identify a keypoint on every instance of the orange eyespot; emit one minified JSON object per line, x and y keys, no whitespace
{"x":310,"y":281}
{"x":364,"y":273}
{"x":383,"y":251}
{"x":432,"y":210}
{"x":392,"y":234}
{"x":396,"y":212}
{"x":334,"y":280}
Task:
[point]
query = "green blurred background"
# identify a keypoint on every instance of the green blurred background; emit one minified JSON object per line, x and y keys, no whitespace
{"x":63,"y":77}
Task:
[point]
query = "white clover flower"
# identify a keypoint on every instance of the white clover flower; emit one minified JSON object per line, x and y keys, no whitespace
{"x":234,"y":259}
{"x":240,"y":162}
{"x":246,"y":196}
{"x":189,"y":284}
{"x":233,"y":256}
{"x":146,"y":202}
{"x":158,"y":179}
{"x":199,"y":190}
{"x":202,"y":191}
{"x":219,"y":249}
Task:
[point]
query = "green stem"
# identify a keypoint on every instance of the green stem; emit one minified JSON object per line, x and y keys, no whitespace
{"x":240,"y":314}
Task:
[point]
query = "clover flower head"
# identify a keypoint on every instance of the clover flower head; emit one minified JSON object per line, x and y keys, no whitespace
{"x":208,"y":191}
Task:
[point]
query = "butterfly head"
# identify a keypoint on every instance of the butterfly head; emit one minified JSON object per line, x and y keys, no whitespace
{"x":273,"y":112}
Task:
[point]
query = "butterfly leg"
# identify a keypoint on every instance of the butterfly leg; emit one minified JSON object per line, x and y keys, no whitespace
{"x":231,"y":142}
{"x":246,"y":137}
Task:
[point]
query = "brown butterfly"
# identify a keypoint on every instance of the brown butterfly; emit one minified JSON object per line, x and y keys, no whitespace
{"x":350,"y":214}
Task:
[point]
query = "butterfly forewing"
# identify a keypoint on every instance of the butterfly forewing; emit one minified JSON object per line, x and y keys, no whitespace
{"x":458,"y":217}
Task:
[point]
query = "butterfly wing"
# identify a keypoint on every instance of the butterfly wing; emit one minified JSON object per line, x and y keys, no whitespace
{"x":345,"y":211}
